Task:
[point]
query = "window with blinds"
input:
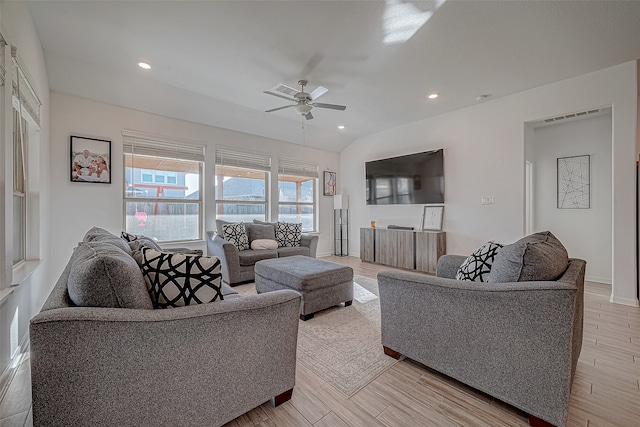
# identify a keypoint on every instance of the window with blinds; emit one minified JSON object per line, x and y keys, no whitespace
{"x":297,"y":191}
{"x":163,"y":187}
{"x":241,"y":185}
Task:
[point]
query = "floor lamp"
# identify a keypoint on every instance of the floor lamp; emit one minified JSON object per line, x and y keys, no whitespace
{"x":341,"y":225}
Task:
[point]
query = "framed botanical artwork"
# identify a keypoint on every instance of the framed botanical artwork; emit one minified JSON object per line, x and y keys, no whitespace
{"x":90,"y":160}
{"x":329,"y":183}
{"x":432,"y":218}
{"x":574,"y":182}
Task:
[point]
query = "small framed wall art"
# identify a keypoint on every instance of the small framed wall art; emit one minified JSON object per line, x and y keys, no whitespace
{"x":329,"y":183}
{"x":90,"y":160}
{"x":574,"y":182}
{"x":432,"y":218}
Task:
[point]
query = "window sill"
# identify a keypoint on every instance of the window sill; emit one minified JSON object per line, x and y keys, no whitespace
{"x":4,"y":294}
{"x":24,"y":270}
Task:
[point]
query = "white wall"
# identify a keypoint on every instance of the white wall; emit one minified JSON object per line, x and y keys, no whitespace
{"x":484,"y":156}
{"x":28,"y":297}
{"x":590,"y":241}
{"x":76,"y":207}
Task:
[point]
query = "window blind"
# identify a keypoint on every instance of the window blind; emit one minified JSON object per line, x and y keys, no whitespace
{"x":24,"y":97}
{"x":297,"y":168}
{"x":142,"y":144}
{"x":255,"y":161}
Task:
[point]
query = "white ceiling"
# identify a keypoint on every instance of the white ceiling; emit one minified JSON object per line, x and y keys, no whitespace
{"x":212,"y":59}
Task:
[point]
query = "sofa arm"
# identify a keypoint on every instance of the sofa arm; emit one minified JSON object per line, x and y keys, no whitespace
{"x":311,"y":242}
{"x":448,"y":265}
{"x":197,"y":365}
{"x":228,"y":255}
{"x":504,"y":339}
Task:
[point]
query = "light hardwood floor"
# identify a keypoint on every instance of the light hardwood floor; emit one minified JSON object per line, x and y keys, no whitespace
{"x":606,"y":389}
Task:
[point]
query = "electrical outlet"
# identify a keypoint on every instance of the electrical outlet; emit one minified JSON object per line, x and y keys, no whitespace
{"x":488,"y":200}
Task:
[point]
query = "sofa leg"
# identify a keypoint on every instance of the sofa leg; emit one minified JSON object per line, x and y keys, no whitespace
{"x":390,"y":352}
{"x":537,"y":422}
{"x":348,"y":303}
{"x":281,"y":398}
{"x":306,"y":317}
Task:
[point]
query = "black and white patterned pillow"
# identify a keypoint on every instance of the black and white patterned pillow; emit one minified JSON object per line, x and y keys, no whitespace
{"x":288,"y":234}
{"x":137,"y":241}
{"x":236,"y":234}
{"x":178,"y":280}
{"x":477,"y":266}
{"x":128,"y":236}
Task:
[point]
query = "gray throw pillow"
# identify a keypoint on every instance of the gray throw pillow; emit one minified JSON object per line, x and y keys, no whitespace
{"x":260,"y":232}
{"x":102,"y":275}
{"x":536,"y":257}
{"x":97,"y":234}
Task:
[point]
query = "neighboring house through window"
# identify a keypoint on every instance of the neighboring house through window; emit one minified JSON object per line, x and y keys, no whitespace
{"x":162,"y":191}
{"x":241,"y":185}
{"x":297,"y":191}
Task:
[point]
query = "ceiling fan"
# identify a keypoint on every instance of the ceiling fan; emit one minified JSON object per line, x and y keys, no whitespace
{"x":303,"y":100}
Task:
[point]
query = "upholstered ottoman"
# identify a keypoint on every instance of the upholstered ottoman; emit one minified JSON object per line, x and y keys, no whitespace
{"x":322,"y":284}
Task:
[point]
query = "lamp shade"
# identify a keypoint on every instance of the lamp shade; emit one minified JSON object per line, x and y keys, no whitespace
{"x":340,"y":201}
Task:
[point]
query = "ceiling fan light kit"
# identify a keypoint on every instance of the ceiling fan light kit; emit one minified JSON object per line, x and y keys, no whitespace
{"x":303,"y":100}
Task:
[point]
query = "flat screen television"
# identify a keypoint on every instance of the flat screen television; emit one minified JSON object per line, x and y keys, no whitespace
{"x":412,"y":179}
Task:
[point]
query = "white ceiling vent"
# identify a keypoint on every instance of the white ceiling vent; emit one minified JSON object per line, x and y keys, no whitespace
{"x":572,"y":115}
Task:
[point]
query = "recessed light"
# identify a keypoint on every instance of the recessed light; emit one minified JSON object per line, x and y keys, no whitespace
{"x":341,"y":127}
{"x":144,"y":65}
{"x":433,"y":95}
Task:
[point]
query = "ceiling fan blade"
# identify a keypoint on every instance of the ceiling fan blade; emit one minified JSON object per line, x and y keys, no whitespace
{"x":280,"y":87}
{"x":278,"y":95}
{"x":331,"y":106}
{"x":308,"y":116}
{"x":280,"y":108}
{"x":318,"y":92}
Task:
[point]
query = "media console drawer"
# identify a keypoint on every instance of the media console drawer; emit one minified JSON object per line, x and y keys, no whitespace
{"x":411,"y":250}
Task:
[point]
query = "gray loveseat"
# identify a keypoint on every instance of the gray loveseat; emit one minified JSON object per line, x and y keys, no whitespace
{"x":518,"y":342}
{"x":190,"y":366}
{"x":238,"y":266}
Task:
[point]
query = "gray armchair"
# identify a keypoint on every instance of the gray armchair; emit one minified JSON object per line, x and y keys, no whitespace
{"x":237,"y":266}
{"x":518,"y":342}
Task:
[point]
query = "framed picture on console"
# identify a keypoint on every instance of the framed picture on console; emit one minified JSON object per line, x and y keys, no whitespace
{"x":90,"y":160}
{"x":432,"y":218}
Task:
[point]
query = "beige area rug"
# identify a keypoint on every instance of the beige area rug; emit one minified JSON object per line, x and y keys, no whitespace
{"x":342,"y":344}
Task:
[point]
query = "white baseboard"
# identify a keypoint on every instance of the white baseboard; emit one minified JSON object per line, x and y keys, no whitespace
{"x":605,"y":280}
{"x":633,"y":302}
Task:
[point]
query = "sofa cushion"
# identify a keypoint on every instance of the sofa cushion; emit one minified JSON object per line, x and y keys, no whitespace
{"x":536,"y":257}
{"x":288,"y":234}
{"x":102,"y":275}
{"x":477,"y":266}
{"x":236,"y":234}
{"x":260,"y":232}
{"x":178,"y":280}
{"x":251,"y":257}
{"x":298,"y":250}
{"x":264,"y":244}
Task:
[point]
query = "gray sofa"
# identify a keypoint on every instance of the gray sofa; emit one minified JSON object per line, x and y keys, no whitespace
{"x":190,"y":366}
{"x":518,"y":342}
{"x":238,"y":266}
